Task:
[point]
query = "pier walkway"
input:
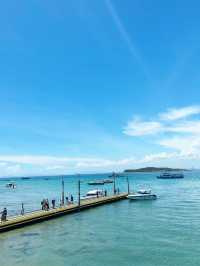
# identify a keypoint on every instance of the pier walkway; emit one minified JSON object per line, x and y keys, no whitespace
{"x":39,"y":216}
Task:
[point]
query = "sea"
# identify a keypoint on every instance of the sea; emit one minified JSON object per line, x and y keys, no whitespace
{"x":163,"y":232}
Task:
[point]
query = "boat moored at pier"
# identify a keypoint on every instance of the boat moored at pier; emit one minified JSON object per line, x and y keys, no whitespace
{"x":93,"y":194}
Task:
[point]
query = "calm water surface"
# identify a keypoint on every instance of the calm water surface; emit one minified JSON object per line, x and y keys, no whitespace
{"x":151,"y":233}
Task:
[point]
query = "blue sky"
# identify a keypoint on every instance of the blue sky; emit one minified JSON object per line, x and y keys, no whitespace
{"x":93,"y":85}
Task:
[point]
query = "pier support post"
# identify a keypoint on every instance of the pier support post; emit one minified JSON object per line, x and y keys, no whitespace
{"x":22,"y":209}
{"x":114,"y":185}
{"x":79,"y":193}
{"x":128,"y":186}
{"x":63,"y":192}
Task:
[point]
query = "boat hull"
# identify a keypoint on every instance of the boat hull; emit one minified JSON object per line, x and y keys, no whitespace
{"x":142,"y":197}
{"x":172,"y":177}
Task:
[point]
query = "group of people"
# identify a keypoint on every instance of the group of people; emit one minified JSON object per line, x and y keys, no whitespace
{"x":4,"y":215}
{"x":45,"y":202}
{"x":69,"y":200}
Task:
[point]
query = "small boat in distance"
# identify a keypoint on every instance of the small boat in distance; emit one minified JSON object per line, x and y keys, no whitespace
{"x":108,"y":181}
{"x":25,"y":178}
{"x":100,"y":182}
{"x":96,"y":182}
{"x":167,"y":175}
{"x":142,"y":195}
{"x":11,"y":185}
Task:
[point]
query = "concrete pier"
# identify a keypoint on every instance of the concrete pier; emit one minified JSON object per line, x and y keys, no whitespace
{"x":40,"y":216}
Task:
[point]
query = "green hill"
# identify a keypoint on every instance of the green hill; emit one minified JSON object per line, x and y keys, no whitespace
{"x":153,"y":169}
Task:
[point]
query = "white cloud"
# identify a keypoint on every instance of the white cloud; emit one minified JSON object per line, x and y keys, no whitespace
{"x":180,"y":133}
{"x":179,"y":113}
{"x":137,"y":127}
{"x":56,"y":167}
{"x":20,"y":165}
{"x":192,"y":127}
{"x":187,"y":146}
{"x":158,"y":157}
{"x":172,"y":121}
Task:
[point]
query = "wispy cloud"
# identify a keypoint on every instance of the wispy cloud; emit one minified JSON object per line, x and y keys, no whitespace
{"x":125,"y":36}
{"x":32,"y":164}
{"x":174,"y":120}
{"x":186,"y":145}
{"x":137,"y":127}
{"x":179,"y":113}
{"x":180,"y":132}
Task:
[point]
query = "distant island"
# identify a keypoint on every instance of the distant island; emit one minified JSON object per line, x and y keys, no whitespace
{"x":153,"y":169}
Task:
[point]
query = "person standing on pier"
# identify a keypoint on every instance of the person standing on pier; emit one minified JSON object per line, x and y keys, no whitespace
{"x":47,"y":204}
{"x":72,"y":199}
{"x":53,"y":203}
{"x":43,"y":204}
{"x":67,"y":200}
{"x":22,"y":210}
{"x":4,"y":215}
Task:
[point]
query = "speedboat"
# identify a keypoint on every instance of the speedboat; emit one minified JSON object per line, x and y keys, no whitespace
{"x":142,"y":194}
{"x":167,"y":175}
{"x":97,"y":182}
{"x":93,"y":194}
{"x":108,"y":181}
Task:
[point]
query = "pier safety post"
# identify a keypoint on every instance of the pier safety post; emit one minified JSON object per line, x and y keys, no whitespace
{"x":114,"y":185}
{"x":22,"y":209}
{"x":63,"y":192}
{"x":128,"y":186}
{"x":79,"y":193}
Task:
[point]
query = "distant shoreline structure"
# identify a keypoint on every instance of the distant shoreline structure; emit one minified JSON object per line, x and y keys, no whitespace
{"x":153,"y":169}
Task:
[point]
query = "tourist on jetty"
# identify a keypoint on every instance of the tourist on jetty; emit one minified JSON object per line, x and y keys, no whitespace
{"x":53,"y":203}
{"x":22,"y":210}
{"x":4,"y":215}
{"x":43,"y":204}
{"x":61,"y":203}
{"x":72,"y":199}
{"x":105,"y":193}
{"x":47,"y":205}
{"x":67,"y":200}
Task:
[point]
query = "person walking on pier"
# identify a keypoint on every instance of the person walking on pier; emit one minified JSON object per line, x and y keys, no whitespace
{"x":105,"y":193}
{"x":4,"y":215}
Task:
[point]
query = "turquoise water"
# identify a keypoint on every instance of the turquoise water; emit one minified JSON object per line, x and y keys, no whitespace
{"x":150,"y":233}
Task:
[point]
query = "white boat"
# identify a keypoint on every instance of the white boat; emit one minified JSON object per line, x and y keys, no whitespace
{"x":142,"y":194}
{"x":93,"y":194}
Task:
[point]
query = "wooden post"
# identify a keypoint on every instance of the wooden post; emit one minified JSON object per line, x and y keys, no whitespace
{"x":114,"y":185}
{"x":128,"y":186}
{"x":63,"y":192}
{"x":79,"y":193}
{"x":22,"y":210}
